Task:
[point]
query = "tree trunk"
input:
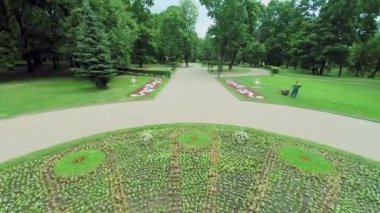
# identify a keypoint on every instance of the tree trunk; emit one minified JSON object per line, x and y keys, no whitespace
{"x":71,"y":61}
{"x":232,"y":59}
{"x":27,"y":54}
{"x":357,"y":72}
{"x":187,"y":61}
{"x":373,"y":75}
{"x":314,"y":70}
{"x":54,"y":62}
{"x":29,"y":62}
{"x":340,"y":70}
{"x":323,"y":66}
{"x":37,"y":58}
{"x":141,"y":62}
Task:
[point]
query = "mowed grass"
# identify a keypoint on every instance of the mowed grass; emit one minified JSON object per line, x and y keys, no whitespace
{"x":359,"y":98}
{"x":195,"y":139}
{"x":306,"y":160}
{"x":79,"y":163}
{"x":29,"y":96}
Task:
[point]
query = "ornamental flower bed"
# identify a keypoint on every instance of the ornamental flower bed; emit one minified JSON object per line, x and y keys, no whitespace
{"x":190,"y":168}
{"x":147,"y":89}
{"x":244,"y":90}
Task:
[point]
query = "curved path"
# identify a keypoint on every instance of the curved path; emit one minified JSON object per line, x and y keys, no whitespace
{"x":191,"y":96}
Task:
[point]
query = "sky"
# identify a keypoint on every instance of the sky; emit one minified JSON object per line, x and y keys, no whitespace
{"x":203,"y":20}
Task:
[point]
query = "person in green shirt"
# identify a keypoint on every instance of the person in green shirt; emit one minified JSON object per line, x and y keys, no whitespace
{"x":296,"y":88}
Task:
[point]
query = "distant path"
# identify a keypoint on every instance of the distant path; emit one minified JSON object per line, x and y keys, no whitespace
{"x":192,"y":96}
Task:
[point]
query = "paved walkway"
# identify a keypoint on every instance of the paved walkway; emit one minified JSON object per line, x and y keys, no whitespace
{"x":191,"y":96}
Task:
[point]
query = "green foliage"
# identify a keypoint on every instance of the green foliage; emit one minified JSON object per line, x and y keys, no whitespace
{"x":145,"y":44}
{"x":8,"y":50}
{"x":190,"y":14}
{"x":365,"y":56}
{"x":139,"y":71}
{"x":316,"y":35}
{"x":275,"y":70}
{"x":171,"y":41}
{"x":93,"y":53}
{"x":79,"y":163}
{"x":121,"y":29}
{"x":306,"y":160}
{"x":255,"y":53}
{"x":168,"y":176}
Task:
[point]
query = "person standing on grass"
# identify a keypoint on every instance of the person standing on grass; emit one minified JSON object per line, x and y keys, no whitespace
{"x":296,"y":88}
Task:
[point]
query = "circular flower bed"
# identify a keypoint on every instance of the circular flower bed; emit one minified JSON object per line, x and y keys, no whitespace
{"x":190,"y":168}
{"x":195,"y":139}
{"x":79,"y":163}
{"x":306,"y":160}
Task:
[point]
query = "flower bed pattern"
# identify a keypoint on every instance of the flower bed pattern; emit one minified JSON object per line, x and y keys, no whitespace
{"x":165,"y":175}
{"x":79,"y":163}
{"x":244,"y":90}
{"x":195,"y":139}
{"x":147,"y":89}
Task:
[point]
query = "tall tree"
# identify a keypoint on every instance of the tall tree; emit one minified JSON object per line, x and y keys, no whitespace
{"x":171,"y":33}
{"x":92,"y":52}
{"x":366,"y":56}
{"x":230,"y":29}
{"x":8,"y":49}
{"x":121,"y":28}
{"x":190,"y":15}
{"x":143,"y":46}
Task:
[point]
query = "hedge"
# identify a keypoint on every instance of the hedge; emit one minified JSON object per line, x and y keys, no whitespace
{"x":272,"y":69}
{"x":133,"y":71}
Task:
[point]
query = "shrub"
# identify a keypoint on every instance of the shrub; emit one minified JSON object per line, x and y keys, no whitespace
{"x":275,"y":70}
{"x":144,"y":72}
{"x":146,"y":137}
{"x":241,"y":136}
{"x":173,"y":65}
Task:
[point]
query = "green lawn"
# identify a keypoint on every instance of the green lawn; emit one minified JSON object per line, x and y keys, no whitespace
{"x":330,"y":73}
{"x":353,"y":97}
{"x":154,"y":67}
{"x":28,"y":96}
{"x":123,"y":173}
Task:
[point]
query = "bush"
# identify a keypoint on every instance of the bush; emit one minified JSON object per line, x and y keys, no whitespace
{"x":173,"y":65}
{"x":144,"y":72}
{"x":275,"y":70}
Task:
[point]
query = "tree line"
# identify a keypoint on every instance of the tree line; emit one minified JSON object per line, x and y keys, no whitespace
{"x":310,"y":34}
{"x":95,"y":36}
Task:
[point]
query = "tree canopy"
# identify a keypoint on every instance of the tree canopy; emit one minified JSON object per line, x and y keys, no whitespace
{"x":311,"y":34}
{"x":315,"y":35}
